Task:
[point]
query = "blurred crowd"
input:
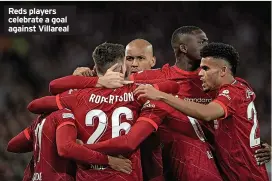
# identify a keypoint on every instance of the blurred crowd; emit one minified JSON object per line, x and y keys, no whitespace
{"x":29,"y":63}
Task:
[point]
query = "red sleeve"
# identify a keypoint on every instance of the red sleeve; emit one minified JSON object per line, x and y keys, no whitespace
{"x":42,"y":105}
{"x":67,"y":99}
{"x":228,"y":98}
{"x":127,"y":143}
{"x":167,"y":86}
{"x":150,"y":118}
{"x":148,"y":75}
{"x":154,"y":112}
{"x":66,"y":135}
{"x":22,"y":143}
{"x":60,"y":85}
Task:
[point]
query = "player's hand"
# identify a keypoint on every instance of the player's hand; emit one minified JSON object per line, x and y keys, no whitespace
{"x":120,"y":164}
{"x":112,"y":79}
{"x":84,"y":71}
{"x":147,"y":91}
{"x":263,"y":155}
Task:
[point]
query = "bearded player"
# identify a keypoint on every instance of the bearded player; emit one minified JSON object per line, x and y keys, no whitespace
{"x":237,"y":132}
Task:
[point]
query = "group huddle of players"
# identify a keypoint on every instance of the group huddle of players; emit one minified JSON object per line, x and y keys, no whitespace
{"x":194,"y":121}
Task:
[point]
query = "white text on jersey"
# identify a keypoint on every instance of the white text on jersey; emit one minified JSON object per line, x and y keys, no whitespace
{"x":98,"y":99}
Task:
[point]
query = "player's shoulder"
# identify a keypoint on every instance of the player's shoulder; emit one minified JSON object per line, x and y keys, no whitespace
{"x":238,"y":87}
{"x":62,"y":114}
{"x":165,"y":68}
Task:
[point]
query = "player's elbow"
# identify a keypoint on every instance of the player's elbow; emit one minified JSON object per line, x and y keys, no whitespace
{"x":131,"y":147}
{"x":53,"y":87}
{"x":207,"y":118}
{"x":12,"y":147}
{"x":202,"y":115}
{"x":32,"y":107}
{"x":63,"y":151}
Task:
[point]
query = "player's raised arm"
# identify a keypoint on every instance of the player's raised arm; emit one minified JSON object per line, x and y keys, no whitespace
{"x":21,"y":143}
{"x":146,"y":75}
{"x":52,"y":103}
{"x":111,"y":79}
{"x":209,"y":112}
{"x":63,"y":84}
{"x":43,"y":105}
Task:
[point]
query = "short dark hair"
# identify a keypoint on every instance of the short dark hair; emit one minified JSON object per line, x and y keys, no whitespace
{"x":106,"y":55}
{"x":180,"y":31}
{"x":222,"y":51}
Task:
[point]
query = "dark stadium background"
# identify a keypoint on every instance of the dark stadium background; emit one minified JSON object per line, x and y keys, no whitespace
{"x":28,"y":63}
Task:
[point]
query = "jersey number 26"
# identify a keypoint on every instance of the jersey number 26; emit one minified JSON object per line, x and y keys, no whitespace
{"x":116,"y":124}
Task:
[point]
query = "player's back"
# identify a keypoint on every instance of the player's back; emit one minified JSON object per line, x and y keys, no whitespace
{"x":103,"y":114}
{"x":48,"y":165}
{"x":238,"y":134}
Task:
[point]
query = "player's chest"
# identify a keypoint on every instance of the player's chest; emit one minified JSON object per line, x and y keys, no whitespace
{"x":191,"y":90}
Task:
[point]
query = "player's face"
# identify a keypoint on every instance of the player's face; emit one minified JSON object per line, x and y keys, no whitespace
{"x":139,"y":59}
{"x":125,"y":69}
{"x":209,"y":74}
{"x":196,"y":42}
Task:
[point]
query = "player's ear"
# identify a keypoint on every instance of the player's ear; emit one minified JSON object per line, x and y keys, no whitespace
{"x":223,"y":71}
{"x":183,"y":48}
{"x":153,"y":61}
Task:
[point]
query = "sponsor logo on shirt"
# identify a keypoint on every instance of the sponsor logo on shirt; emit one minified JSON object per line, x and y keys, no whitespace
{"x":225,"y":93}
{"x":199,"y":100}
{"x":148,"y":104}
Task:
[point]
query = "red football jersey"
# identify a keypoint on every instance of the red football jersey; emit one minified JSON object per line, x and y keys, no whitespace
{"x":48,"y":165}
{"x":29,"y":170}
{"x":103,"y":114}
{"x":187,"y":155}
{"x":237,"y":135}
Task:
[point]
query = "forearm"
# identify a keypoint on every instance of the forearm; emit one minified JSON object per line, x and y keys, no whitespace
{"x":20,"y":144}
{"x":124,"y":144}
{"x":81,"y":154}
{"x":198,"y":111}
{"x":71,"y":82}
{"x":43,"y":105}
{"x":68,"y":148}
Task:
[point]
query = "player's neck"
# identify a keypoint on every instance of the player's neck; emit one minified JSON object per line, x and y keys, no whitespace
{"x":185,"y":64}
{"x":227,"y":80}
